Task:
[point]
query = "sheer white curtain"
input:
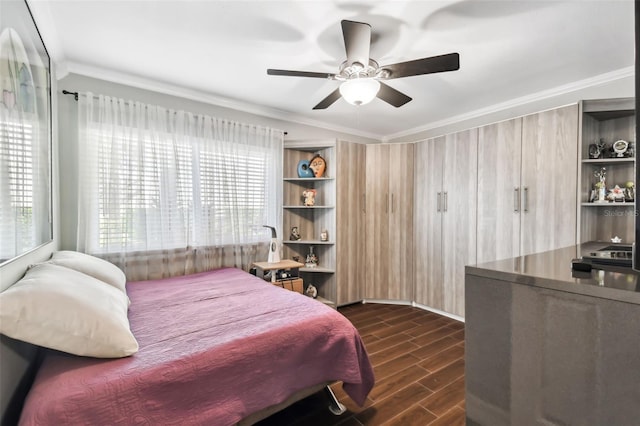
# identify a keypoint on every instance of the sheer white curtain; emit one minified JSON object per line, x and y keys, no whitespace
{"x":164,"y":192}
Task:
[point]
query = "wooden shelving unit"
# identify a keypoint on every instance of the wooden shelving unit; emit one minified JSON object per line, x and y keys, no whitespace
{"x":311,"y":220}
{"x":609,"y":120}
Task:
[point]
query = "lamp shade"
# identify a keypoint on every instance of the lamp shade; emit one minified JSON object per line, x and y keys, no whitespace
{"x":359,"y":91}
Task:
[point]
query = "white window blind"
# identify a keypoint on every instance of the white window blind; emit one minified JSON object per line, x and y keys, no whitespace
{"x":144,"y":192}
{"x":233,"y":192}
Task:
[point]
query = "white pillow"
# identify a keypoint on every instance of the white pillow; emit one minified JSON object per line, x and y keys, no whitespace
{"x":63,"y":309}
{"x":91,"y":265}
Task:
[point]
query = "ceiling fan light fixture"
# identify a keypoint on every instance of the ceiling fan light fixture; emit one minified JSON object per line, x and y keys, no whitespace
{"x":359,"y":74}
{"x":359,"y":91}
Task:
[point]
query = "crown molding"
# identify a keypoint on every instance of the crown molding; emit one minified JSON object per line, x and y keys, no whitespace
{"x":208,"y":98}
{"x":517,"y":102}
{"x":234,"y":104}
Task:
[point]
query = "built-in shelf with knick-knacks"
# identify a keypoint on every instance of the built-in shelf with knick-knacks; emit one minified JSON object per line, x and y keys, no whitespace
{"x":607,"y":154}
{"x":309,"y":206}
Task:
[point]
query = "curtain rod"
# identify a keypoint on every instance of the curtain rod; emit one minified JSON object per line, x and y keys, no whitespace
{"x":75,"y":96}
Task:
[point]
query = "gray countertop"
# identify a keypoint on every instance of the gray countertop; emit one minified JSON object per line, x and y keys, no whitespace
{"x":552,"y":270}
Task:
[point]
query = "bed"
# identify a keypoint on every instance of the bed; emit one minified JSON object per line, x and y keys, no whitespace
{"x":215,"y":348}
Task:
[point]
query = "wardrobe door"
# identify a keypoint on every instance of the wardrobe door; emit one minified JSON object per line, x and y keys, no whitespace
{"x":499,"y":192}
{"x":401,"y":251}
{"x":549,"y":179}
{"x":459,"y":215}
{"x":377,"y":221}
{"x":428,"y":206}
{"x":350,"y":226}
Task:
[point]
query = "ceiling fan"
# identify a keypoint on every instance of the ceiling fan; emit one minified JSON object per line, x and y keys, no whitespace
{"x":362,"y":78}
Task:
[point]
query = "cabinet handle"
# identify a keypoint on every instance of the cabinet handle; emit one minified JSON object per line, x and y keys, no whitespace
{"x":438,"y":198}
{"x":526,"y":199}
{"x":364,"y":202}
{"x":446,"y":201}
{"x":516,"y":199}
{"x":393,"y":204}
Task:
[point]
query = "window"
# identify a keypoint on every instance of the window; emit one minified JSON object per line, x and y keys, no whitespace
{"x":151,"y":188}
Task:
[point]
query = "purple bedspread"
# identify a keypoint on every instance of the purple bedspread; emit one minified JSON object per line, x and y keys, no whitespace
{"x":214,"y":348}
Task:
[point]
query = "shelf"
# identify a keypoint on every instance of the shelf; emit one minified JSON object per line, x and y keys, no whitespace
{"x":310,"y":145}
{"x":608,"y":160}
{"x":609,"y":109}
{"x":309,"y":179}
{"x":326,"y":301}
{"x":283,"y":264}
{"x":630,"y":204}
{"x":311,"y":242}
{"x":308,"y":207}
{"x":318,"y":270}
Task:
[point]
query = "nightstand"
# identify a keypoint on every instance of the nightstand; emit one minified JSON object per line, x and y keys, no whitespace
{"x":284,"y":274}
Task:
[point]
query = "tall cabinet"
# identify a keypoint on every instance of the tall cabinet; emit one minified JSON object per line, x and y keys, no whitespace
{"x":445,"y":218}
{"x":389,"y":222}
{"x":499,"y":190}
{"x":548,"y":180}
{"x":350,"y":222}
{"x":526,"y":177}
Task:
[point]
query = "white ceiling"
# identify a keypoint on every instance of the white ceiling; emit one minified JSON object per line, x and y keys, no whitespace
{"x":508,"y":50}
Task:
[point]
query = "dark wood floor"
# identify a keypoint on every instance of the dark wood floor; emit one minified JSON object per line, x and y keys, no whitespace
{"x":418,"y":359}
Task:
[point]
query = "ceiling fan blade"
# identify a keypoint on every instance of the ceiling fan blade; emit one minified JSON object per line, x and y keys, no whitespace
{"x":392,"y":96}
{"x":288,"y":73}
{"x":326,"y":102}
{"x":442,"y":63}
{"x":357,"y":41}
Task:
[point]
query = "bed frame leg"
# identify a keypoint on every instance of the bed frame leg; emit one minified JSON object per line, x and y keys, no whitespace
{"x":334,"y":405}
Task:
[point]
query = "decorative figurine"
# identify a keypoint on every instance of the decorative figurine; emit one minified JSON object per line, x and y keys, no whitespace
{"x":324,"y":235}
{"x":600,"y":185}
{"x":318,"y":165}
{"x":308,"y":197}
{"x":594,"y":152}
{"x":312,"y":259}
{"x":311,"y":291}
{"x":616,"y":195}
{"x":295,"y":235}
{"x":303,"y":169}
{"x":620,"y":148}
{"x":629,"y":191}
